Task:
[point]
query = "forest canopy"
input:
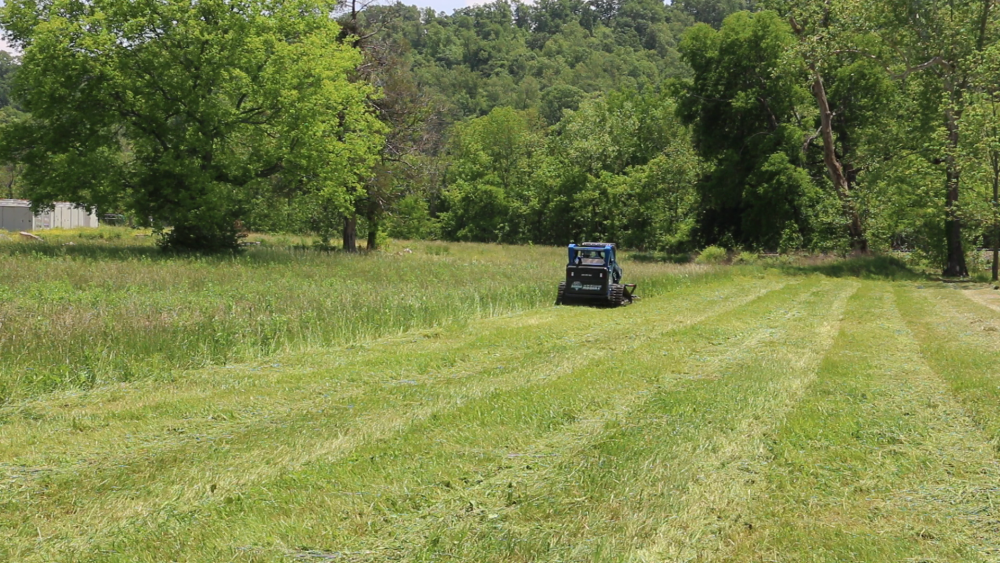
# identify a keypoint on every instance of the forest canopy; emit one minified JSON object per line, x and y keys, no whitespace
{"x":183,"y":112}
{"x":771,"y":125}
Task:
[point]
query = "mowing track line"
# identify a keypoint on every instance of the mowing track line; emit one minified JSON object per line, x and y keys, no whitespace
{"x":160,"y":488}
{"x":877,"y":463}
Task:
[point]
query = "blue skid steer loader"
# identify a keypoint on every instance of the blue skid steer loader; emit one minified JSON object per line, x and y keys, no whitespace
{"x":594,"y":277}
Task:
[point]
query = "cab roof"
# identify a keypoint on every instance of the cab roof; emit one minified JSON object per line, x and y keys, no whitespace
{"x":593,"y":246}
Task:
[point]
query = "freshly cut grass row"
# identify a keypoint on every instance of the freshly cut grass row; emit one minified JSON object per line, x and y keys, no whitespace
{"x":598,"y":489}
{"x":878,"y":462}
{"x":748,"y":418}
{"x":959,"y":338}
{"x":596,"y":345}
{"x":119,"y":310}
{"x":152,"y":456}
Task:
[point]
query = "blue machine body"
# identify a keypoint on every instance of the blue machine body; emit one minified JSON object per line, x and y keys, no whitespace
{"x":593,"y":275}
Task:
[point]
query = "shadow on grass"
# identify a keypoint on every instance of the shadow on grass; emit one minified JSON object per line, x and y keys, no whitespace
{"x":658,"y":258}
{"x":863,"y":267}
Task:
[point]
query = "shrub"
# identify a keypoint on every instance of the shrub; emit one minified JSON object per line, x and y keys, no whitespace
{"x":412,"y":220}
{"x":712,"y":255}
{"x":791,"y":239}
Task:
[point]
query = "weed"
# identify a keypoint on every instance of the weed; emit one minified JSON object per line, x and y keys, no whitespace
{"x":745,"y":257}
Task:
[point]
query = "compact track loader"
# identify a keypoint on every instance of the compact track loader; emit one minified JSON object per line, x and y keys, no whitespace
{"x":594,"y":277}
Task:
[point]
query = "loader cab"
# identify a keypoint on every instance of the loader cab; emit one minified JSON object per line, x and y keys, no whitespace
{"x":595,"y":255}
{"x":593,"y":275}
{"x":592,"y":271}
{"x":589,"y":257}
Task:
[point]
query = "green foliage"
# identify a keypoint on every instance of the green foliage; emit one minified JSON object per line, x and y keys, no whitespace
{"x":713,"y":12}
{"x":663,"y":127}
{"x":621,"y":168}
{"x":494,"y":163}
{"x":543,"y":55}
{"x":558,"y":98}
{"x":411,"y":219}
{"x":791,"y":238}
{"x":774,"y":198}
{"x":870,"y":267}
{"x":180,"y":110}
{"x":743,"y":105}
{"x":712,"y":255}
{"x":624,"y":167}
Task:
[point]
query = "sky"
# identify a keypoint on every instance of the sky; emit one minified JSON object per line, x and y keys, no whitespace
{"x":447,"y":6}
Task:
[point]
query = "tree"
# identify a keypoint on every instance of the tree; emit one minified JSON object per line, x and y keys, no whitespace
{"x":746,"y":106}
{"x":623,"y":168}
{"x":557,"y":98}
{"x":411,"y":116}
{"x":713,"y":12}
{"x":980,"y":155}
{"x":814,"y":25}
{"x":179,"y":109}
{"x":942,"y":38}
{"x":494,"y":163}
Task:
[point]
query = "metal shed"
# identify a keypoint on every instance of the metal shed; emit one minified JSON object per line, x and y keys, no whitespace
{"x":15,"y":215}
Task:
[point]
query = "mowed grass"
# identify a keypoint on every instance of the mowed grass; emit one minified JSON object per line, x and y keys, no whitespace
{"x":736,"y":415}
{"x":89,"y":307}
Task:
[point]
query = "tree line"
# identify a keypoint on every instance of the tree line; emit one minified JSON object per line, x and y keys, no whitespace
{"x":772,"y":124}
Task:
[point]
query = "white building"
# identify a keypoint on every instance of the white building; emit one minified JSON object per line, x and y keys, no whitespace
{"x":16,"y":215}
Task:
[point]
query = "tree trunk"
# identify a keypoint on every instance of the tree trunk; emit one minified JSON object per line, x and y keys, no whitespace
{"x":859,"y":242}
{"x":351,"y":233}
{"x":372,"y":234}
{"x":995,"y":165}
{"x":995,"y":204}
{"x":995,"y":158}
{"x":372,"y":216}
{"x":13,"y":170}
{"x":955,"y":266}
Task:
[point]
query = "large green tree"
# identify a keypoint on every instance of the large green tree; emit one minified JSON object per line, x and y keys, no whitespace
{"x":624,"y":169}
{"x":937,"y":43}
{"x":494,"y":173}
{"x":746,"y":105}
{"x":180,"y":110}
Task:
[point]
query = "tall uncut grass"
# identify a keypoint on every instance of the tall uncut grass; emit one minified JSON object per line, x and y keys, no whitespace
{"x":86,"y":307}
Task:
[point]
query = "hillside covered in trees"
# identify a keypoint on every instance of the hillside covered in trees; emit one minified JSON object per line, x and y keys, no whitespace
{"x":769,"y":125}
{"x":774,"y":125}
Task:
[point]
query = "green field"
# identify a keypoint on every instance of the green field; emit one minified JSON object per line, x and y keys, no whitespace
{"x":93,"y":306}
{"x":734,"y":414}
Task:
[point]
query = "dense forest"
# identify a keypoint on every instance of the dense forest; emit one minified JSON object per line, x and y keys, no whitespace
{"x":771,"y":125}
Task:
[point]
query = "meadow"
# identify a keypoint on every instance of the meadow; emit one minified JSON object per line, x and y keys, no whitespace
{"x":89,"y":307}
{"x":835,"y":412}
